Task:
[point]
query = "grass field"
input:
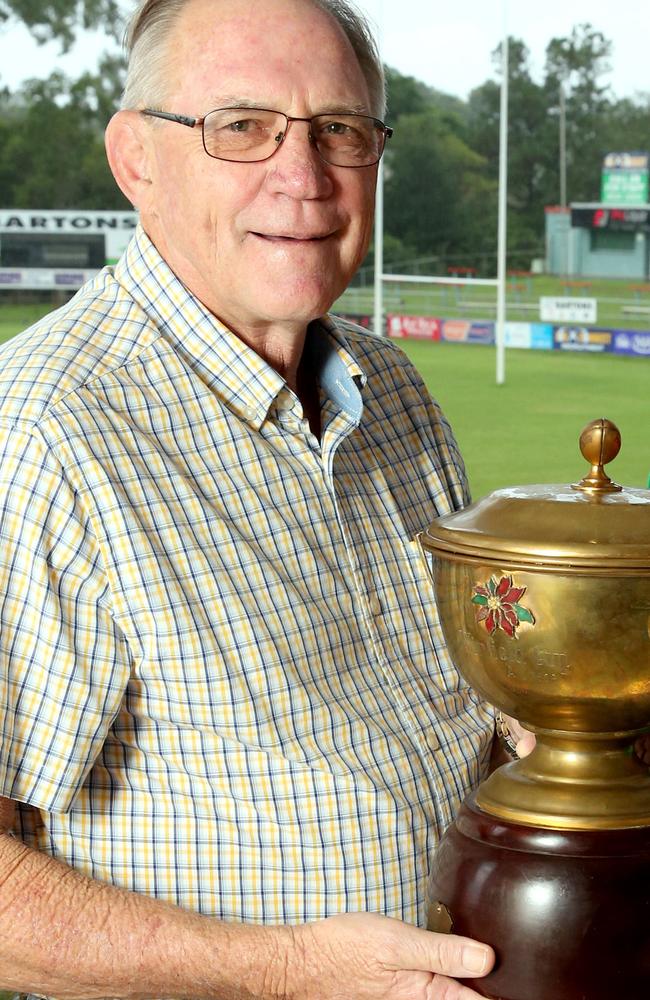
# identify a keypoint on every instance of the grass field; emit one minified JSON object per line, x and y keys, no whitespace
{"x":14,"y":318}
{"x":527,"y":430}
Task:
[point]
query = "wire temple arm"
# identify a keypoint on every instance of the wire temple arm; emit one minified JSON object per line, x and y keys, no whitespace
{"x":170,"y":117}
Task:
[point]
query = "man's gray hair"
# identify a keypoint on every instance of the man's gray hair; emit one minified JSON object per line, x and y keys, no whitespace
{"x":151,"y":24}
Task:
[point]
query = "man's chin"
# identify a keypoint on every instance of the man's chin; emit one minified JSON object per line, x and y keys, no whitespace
{"x":297,"y":310}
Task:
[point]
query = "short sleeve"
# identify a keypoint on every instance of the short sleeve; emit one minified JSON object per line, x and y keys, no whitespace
{"x":64,"y":664}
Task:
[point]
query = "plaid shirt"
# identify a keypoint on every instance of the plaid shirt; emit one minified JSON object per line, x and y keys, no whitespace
{"x":223,"y":681}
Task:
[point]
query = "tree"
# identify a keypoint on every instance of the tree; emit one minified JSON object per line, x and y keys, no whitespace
{"x":437,"y":191}
{"x":61,"y":19}
{"x":532,"y":161}
{"x":405,"y":95}
{"x":408,"y":96}
{"x":577,"y":64}
{"x":52,"y":155}
{"x":625,"y":128}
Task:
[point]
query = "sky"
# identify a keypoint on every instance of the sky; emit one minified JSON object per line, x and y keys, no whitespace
{"x":447,"y":45}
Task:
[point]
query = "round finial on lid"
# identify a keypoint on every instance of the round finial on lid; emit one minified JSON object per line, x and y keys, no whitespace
{"x":600,"y":443}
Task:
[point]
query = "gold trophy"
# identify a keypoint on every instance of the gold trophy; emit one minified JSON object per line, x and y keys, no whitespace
{"x":543,"y":594}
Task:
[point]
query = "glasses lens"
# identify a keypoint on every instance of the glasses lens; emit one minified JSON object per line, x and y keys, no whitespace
{"x":348,"y":140}
{"x":242,"y":134}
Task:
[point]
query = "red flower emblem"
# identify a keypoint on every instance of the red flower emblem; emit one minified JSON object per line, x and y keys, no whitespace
{"x":499,"y":607}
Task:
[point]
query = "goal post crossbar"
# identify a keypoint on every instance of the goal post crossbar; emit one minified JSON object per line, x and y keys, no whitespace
{"x":427,"y":279}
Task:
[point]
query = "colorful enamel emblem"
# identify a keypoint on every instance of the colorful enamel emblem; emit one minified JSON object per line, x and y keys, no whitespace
{"x":499,"y":607}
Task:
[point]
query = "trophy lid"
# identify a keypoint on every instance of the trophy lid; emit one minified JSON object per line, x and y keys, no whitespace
{"x":592,"y":526}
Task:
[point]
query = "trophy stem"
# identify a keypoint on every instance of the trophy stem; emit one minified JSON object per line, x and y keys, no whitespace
{"x":572,"y":781}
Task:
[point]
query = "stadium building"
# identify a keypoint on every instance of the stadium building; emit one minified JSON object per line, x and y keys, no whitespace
{"x":59,"y":250}
{"x":609,"y":238}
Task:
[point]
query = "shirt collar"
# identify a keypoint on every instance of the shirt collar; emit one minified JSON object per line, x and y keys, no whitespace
{"x":337,"y":370}
{"x":232,"y":369}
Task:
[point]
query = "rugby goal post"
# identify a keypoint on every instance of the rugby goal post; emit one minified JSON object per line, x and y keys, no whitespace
{"x":500,"y":281}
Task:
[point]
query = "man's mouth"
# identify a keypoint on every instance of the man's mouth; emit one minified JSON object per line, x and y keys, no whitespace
{"x":293,"y":237}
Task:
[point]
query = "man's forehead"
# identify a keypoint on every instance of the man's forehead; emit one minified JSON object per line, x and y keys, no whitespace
{"x":286,"y":55}
{"x":238,"y":100}
{"x":240,"y":32}
{"x":250,"y":16}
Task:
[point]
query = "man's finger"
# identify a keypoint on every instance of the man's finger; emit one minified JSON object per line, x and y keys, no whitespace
{"x":448,"y":955}
{"x":449,"y":989}
{"x":526,"y":744}
{"x":642,"y":748}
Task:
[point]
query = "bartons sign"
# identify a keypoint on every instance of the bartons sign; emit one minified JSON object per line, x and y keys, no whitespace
{"x":24,"y":220}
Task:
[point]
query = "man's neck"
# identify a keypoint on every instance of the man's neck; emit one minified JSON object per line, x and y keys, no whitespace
{"x":284,"y":349}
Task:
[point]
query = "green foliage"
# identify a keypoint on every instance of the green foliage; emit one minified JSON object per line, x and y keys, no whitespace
{"x":532,"y":141}
{"x":577,"y":64}
{"x":436,"y":188}
{"x":61,"y":19}
{"x":408,"y":96}
{"x":441,"y":165}
{"x":52,"y":148}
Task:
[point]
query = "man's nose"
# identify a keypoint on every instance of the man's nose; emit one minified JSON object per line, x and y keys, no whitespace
{"x":297,"y":168}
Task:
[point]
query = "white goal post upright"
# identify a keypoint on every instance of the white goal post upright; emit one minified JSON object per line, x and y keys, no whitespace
{"x":500,"y":281}
{"x":500,"y":331}
{"x":380,"y":277}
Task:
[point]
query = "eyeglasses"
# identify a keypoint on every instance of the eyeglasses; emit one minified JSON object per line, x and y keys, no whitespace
{"x":248,"y":135}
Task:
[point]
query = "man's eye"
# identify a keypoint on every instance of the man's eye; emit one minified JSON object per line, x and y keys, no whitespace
{"x":241,"y":125}
{"x":336,"y":128}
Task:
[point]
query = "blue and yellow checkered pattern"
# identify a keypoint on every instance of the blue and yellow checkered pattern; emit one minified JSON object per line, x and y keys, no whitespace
{"x":223,"y":681}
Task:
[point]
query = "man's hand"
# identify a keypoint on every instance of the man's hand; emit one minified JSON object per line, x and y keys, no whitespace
{"x":642,"y":748}
{"x":523,"y":738}
{"x":525,"y":741}
{"x":370,"y":957}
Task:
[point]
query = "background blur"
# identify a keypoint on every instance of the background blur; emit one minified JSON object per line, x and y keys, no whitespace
{"x":575,"y":68}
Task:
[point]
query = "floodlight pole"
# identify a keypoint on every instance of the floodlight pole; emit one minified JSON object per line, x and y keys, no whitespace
{"x":378,"y":322}
{"x":500,"y":332}
{"x":562,"y":145}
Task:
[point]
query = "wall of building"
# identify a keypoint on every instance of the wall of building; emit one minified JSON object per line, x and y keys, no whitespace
{"x":583,"y":252}
{"x":558,"y":226}
{"x":597,"y":254}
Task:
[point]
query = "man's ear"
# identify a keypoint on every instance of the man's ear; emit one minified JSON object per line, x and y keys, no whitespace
{"x":128,"y":151}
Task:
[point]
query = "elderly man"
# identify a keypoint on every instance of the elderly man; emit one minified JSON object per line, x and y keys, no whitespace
{"x":231,"y":731}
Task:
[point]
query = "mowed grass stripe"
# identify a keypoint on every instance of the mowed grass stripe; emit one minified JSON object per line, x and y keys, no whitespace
{"x":527,"y":430}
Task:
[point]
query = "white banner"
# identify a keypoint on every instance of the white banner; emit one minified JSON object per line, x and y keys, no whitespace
{"x":35,"y":278}
{"x":567,"y":310}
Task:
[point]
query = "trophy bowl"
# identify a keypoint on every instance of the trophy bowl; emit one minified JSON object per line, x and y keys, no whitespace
{"x":543,"y":594}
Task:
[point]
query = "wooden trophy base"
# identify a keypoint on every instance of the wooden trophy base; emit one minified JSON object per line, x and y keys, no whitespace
{"x":566,"y":911}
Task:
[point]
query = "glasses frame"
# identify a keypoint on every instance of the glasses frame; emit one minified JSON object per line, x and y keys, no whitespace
{"x":192,"y":122}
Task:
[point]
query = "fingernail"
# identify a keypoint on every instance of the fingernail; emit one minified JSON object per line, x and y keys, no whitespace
{"x":474,"y":959}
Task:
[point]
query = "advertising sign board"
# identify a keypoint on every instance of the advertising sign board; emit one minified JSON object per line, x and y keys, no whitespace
{"x":538,"y":336}
{"x":419,"y":327}
{"x":465,"y":331}
{"x":624,"y":179}
{"x":631,"y":342}
{"x":40,"y":278}
{"x":567,"y":310}
{"x":579,"y":338}
{"x":623,"y":219}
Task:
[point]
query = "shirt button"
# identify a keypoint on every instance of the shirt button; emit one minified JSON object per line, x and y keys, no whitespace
{"x":250,"y":413}
{"x":284,"y":402}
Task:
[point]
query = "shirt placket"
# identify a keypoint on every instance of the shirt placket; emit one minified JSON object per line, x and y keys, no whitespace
{"x":378,"y":630}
